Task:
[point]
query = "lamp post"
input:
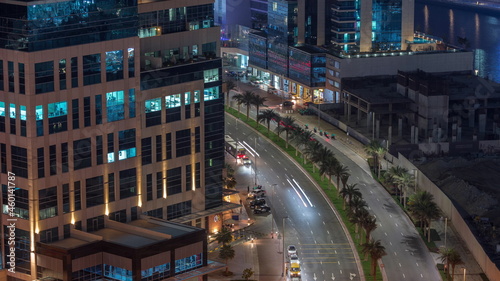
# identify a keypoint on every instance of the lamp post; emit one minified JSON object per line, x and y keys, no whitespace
{"x":284,"y":263}
{"x":256,"y":156}
{"x":272,"y":220}
{"x":465,"y":270}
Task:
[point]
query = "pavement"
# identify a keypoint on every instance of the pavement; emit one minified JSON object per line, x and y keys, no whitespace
{"x":264,"y":249}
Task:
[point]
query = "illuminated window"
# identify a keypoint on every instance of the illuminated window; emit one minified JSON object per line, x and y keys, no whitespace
{"x":2,"y":108}
{"x":187,"y":98}
{"x":211,"y":75}
{"x":12,"y":111}
{"x":153,"y":105}
{"x":196,"y":96}
{"x":126,"y":142}
{"x":115,"y":106}
{"x":173,"y":101}
{"x":23,"y":112}
{"x":211,"y":94}
{"x":114,"y":65}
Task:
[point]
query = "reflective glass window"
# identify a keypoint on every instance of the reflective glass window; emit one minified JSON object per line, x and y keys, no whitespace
{"x":114,"y":65}
{"x":153,"y":105}
{"x":131,"y":103}
{"x":91,"y":69}
{"x":62,"y":74}
{"x":211,"y":75}
{"x":2,"y":108}
{"x":173,"y":101}
{"x":12,"y":111}
{"x":44,"y":77}
{"x":115,"y":106}
{"x":131,"y":62}
{"x":211,"y":94}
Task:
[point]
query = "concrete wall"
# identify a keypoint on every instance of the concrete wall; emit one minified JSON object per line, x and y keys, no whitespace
{"x":389,"y":65}
{"x":449,"y":210}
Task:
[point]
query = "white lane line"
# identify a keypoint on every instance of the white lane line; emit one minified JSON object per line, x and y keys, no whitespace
{"x":399,"y":264}
{"x":328,"y":232}
{"x":286,"y":169}
{"x":378,"y":200}
{"x":421,"y":275}
{"x":404,"y":275}
{"x":390,"y":216}
{"x":341,"y":271}
{"x":417,"y":263}
{"x":319,"y":214}
{"x":335,"y":251}
{"x":385,"y":233}
{"x":331,"y":241}
{"x":395,"y":253}
{"x":324,"y":223}
{"x":402,"y":234}
{"x":396,"y":224}
{"x":279,"y":162}
{"x":371,"y":192}
{"x":390,"y":243}
{"x":380,"y":224}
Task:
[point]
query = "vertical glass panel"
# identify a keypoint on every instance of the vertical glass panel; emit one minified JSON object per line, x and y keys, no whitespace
{"x":23,"y":112}
{"x":39,"y":112}
{"x":187,"y":98}
{"x":211,"y":94}
{"x":12,"y":111}
{"x":131,"y":103}
{"x":22,"y":88}
{"x":115,"y":106}
{"x":10,"y":67}
{"x":62,"y":74}
{"x":74,"y":72}
{"x":131,"y":63}
{"x":44,"y":77}
{"x":91,"y":69}
{"x":114,"y":65}
{"x":196,"y":96}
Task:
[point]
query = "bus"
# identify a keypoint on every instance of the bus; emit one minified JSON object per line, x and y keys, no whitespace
{"x":234,"y":148}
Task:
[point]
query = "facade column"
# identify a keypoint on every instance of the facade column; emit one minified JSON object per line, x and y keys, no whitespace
{"x":389,"y":136}
{"x":412,"y":134}
{"x":377,"y":128}
{"x":482,"y":124}
{"x":400,"y":127}
{"x":416,"y":134}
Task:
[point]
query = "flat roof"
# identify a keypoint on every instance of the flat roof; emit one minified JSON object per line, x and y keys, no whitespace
{"x":173,"y":229}
{"x":311,"y":49}
{"x":125,"y":238}
{"x":70,"y":243}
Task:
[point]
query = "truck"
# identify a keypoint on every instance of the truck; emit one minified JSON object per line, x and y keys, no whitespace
{"x":294,"y":272}
{"x":233,"y":148}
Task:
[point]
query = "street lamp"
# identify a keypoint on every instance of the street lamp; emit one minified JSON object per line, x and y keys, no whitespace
{"x":284,"y":263}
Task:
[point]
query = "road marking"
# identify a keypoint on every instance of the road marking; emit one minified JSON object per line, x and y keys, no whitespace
{"x":378,"y":200}
{"x":417,"y":263}
{"x":390,"y":216}
{"x":371,"y":192}
{"x":286,"y":169}
{"x":385,"y":233}
{"x":395,"y":253}
{"x":404,"y":275}
{"x":339,"y":264}
{"x":331,"y":241}
{"x":312,"y":232}
{"x":421,"y":275}
{"x":341,"y":271}
{"x":357,"y":178}
{"x":390,"y":243}
{"x":380,"y":224}
{"x":399,"y":264}
{"x":396,"y":224}
{"x":279,"y":162}
{"x":319,"y":214}
{"x":335,"y":251}
{"x":327,"y":231}
{"x":402,"y":234}
{"x":325,"y":224}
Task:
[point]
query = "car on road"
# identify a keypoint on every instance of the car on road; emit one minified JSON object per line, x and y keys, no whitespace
{"x":288,"y":103}
{"x":256,"y":194}
{"x":257,"y":202}
{"x":261,"y":209}
{"x":247,"y":161}
{"x":292,"y":250}
{"x":294,"y":258}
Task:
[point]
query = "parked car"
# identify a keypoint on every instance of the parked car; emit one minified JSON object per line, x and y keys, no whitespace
{"x":292,"y":250}
{"x":294,"y":258}
{"x":288,"y":103}
{"x":257,"y":202}
{"x":247,"y":161}
{"x":257,"y":194}
{"x":261,"y":209}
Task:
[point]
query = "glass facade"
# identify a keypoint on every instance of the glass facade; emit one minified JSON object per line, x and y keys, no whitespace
{"x":307,"y":68}
{"x":61,"y":24}
{"x":386,"y":24}
{"x":257,"y":53}
{"x":281,"y":33}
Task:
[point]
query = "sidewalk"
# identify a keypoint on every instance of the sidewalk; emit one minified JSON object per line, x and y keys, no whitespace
{"x":473,"y":269}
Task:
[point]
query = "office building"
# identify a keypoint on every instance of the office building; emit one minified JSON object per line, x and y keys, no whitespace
{"x":111,"y":119}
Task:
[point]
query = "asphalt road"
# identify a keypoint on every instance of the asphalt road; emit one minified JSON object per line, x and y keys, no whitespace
{"x":297,"y":205}
{"x":407,"y":258}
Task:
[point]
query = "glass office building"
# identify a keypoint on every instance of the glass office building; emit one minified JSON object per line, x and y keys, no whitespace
{"x":111,"y":124}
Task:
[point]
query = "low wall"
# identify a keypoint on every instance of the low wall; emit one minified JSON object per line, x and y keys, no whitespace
{"x":449,"y":210}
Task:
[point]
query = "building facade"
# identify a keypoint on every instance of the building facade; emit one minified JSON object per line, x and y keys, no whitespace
{"x":109,"y":111}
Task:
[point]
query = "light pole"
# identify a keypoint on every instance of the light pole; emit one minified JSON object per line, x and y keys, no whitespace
{"x":465,"y":270}
{"x":284,"y":263}
{"x":415,"y":178}
{"x":256,"y":156}
{"x":272,"y":220}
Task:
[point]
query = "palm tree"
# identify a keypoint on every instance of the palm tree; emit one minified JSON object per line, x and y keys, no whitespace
{"x":445,"y":258}
{"x":247,"y":98}
{"x":327,"y":166}
{"x":369,"y":224}
{"x":344,"y":178}
{"x":377,"y":151}
{"x":224,"y":236}
{"x":393,"y":173}
{"x":405,"y":181}
{"x":357,"y":203}
{"x":266,"y":116}
{"x":311,"y":150}
{"x":288,"y":125}
{"x":454,"y":260}
{"x":357,"y":216}
{"x":349,"y":192}
{"x":226,"y":253}
{"x":258,"y":101}
{"x":340,"y":171}
{"x":239,"y":100}
{"x":423,"y":207}
{"x":375,"y":250}
{"x":301,"y":138}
